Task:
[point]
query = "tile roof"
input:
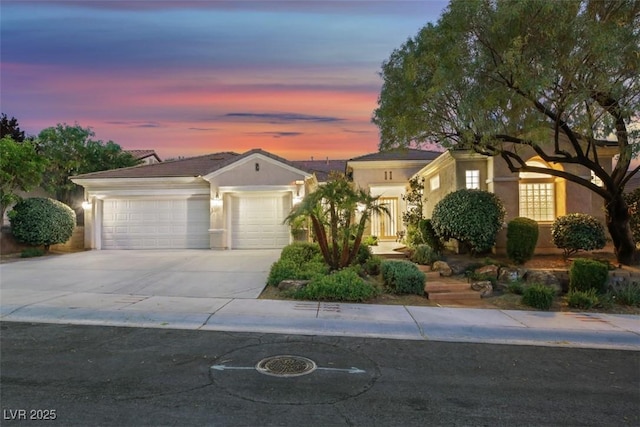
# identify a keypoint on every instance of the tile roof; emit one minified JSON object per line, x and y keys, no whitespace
{"x":321,"y":168}
{"x":141,"y":154}
{"x":192,"y":166}
{"x":399,"y":154}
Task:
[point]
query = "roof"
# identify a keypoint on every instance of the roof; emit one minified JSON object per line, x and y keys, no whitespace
{"x":192,"y":166}
{"x":321,"y":168}
{"x":399,"y":154}
{"x":143,"y":154}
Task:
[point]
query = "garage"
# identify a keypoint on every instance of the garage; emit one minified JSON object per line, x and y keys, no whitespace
{"x":257,"y":221}
{"x":155,"y":223}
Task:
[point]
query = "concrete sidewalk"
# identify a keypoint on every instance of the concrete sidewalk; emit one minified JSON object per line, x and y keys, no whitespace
{"x":562,"y":329}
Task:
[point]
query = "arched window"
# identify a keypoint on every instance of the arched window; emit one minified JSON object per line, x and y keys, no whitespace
{"x":537,"y":194}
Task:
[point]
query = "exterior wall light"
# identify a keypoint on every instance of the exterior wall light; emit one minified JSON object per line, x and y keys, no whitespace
{"x":86,"y":205}
{"x":216,"y":202}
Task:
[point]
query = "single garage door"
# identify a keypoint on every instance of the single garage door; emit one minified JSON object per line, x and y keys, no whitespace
{"x":155,"y":224}
{"x":256,"y":221}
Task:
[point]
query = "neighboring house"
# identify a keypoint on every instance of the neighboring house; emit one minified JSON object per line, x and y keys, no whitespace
{"x":219,"y":201}
{"x":321,"y":168}
{"x":540,"y":197}
{"x":148,"y":157}
{"x":386,"y":174}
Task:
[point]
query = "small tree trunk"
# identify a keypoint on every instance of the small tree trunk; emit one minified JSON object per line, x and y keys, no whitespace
{"x":617,"y":218}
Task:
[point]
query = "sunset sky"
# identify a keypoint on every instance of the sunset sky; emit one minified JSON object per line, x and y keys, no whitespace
{"x":296,"y":78}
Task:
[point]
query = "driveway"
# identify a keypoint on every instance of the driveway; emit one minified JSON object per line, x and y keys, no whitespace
{"x":167,"y":273}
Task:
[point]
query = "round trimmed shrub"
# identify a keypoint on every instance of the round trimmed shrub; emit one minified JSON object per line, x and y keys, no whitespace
{"x":538,"y":296}
{"x":473,"y":217}
{"x":402,"y":277}
{"x":41,"y":221}
{"x":586,"y":274}
{"x":522,"y":237}
{"x":576,"y":232}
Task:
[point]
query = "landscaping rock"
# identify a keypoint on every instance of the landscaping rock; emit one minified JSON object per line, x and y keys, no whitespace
{"x":484,"y":287}
{"x":286,"y":285}
{"x":443,"y":268}
{"x":544,"y":277}
{"x":489,"y":271}
{"x":509,"y":274}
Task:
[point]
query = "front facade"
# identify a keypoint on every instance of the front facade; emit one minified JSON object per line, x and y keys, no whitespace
{"x":218,"y":201}
{"x":540,"y":197}
{"x":386,"y":175}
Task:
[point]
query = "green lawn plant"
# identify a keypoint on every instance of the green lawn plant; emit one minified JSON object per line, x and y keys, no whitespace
{"x":582,"y":299}
{"x":538,"y":296}
{"x":577,"y":232}
{"x":402,"y":277}
{"x":342,"y":285}
{"x":425,"y":255}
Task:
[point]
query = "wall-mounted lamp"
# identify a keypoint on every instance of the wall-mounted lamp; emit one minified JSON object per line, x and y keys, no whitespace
{"x":361,"y":207}
{"x":86,"y":205}
{"x":216,"y":202}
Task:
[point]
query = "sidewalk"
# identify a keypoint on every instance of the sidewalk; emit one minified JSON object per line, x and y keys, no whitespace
{"x":561,"y":329}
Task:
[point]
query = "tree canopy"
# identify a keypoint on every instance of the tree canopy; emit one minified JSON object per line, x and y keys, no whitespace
{"x":21,"y":169}
{"x":559,"y":78}
{"x":9,"y":127}
{"x":72,"y":151}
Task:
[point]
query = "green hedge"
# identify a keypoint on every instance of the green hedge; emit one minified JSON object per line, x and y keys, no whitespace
{"x":522,"y":237}
{"x":402,"y":277}
{"x":41,"y":221}
{"x":538,"y":296}
{"x":586,"y":274}
{"x":342,"y":285}
{"x":298,"y":261}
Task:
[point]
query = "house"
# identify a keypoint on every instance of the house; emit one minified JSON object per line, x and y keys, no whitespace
{"x":540,"y":197}
{"x":147,"y":157}
{"x":219,"y":201}
{"x":386,"y":174}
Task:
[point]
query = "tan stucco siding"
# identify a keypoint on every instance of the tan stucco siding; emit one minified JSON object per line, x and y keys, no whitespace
{"x":364,"y":177}
{"x":246,"y":174}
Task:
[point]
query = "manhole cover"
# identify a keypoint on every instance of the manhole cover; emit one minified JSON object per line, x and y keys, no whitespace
{"x":286,"y":366}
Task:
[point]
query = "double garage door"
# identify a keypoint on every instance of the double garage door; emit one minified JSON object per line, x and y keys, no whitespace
{"x":155,"y":224}
{"x":255,"y":222}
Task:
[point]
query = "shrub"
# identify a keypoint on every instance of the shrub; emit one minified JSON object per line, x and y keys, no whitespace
{"x":342,"y":285}
{"x":473,"y":217}
{"x":413,"y":237}
{"x":31,"y":253}
{"x":300,"y":252}
{"x":577,"y":231}
{"x":364,"y":253}
{"x":402,"y":277}
{"x":370,"y":240}
{"x":516,"y":288}
{"x":372,"y":265}
{"x":288,"y":269}
{"x":538,"y":296}
{"x":629,"y":295}
{"x":633,"y":201}
{"x":586,"y":274}
{"x":522,"y":237}
{"x":429,"y":235}
{"x":41,"y":221}
{"x":582,"y":299}
{"x":425,"y":255}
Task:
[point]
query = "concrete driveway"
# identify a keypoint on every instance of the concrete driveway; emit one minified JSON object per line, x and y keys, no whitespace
{"x":170,"y":273}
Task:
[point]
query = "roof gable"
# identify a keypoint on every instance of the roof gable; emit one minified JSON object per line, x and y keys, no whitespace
{"x":398,"y":154}
{"x":251,"y":155}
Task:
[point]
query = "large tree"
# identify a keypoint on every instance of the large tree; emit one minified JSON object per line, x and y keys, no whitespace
{"x":9,"y":127}
{"x":559,"y":78}
{"x":70,"y":151}
{"x":21,"y":169}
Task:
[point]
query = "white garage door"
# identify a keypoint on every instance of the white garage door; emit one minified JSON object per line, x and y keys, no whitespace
{"x":155,"y":224}
{"x":256,"y":221}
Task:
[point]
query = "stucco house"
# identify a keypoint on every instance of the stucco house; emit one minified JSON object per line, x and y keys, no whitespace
{"x":219,"y":201}
{"x":540,"y":197}
{"x":386,"y":174}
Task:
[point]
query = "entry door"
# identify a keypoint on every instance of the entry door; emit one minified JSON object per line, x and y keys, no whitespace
{"x":385,"y":226}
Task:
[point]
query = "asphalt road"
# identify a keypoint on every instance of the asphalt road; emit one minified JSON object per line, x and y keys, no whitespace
{"x":86,"y":375}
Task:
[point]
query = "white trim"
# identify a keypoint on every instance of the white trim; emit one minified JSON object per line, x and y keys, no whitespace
{"x":257,"y":188}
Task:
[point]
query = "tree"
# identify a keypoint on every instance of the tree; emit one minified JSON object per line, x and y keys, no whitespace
{"x":10,"y":128}
{"x":332,"y":210}
{"x":21,"y":169}
{"x":558,"y":78}
{"x":72,"y":151}
{"x":42,"y":221}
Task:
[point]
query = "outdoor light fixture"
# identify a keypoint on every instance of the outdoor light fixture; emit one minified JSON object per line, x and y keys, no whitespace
{"x":361,"y":207}
{"x":216,"y":202}
{"x":86,"y":205}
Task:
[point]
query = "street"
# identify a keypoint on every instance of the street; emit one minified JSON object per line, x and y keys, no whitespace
{"x":111,"y":376}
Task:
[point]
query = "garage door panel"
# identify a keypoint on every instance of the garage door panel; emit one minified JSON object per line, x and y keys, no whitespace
{"x":155,"y":224}
{"x":257,"y":221}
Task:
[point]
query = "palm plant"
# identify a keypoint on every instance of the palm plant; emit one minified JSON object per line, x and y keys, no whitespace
{"x":332,"y":210}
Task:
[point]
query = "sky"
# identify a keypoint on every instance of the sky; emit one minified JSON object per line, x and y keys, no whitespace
{"x":297,"y":78}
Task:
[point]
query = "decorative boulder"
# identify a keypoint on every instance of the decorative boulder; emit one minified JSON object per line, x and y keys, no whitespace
{"x":489,"y":271}
{"x":509,"y":274}
{"x":543,"y":277}
{"x":484,"y":287}
{"x":442,"y":267}
{"x":286,"y":285}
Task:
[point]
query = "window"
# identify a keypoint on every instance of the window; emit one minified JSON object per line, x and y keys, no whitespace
{"x":537,"y":194}
{"x":472,"y":179}
{"x":434,"y":182}
{"x":388,"y":175}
